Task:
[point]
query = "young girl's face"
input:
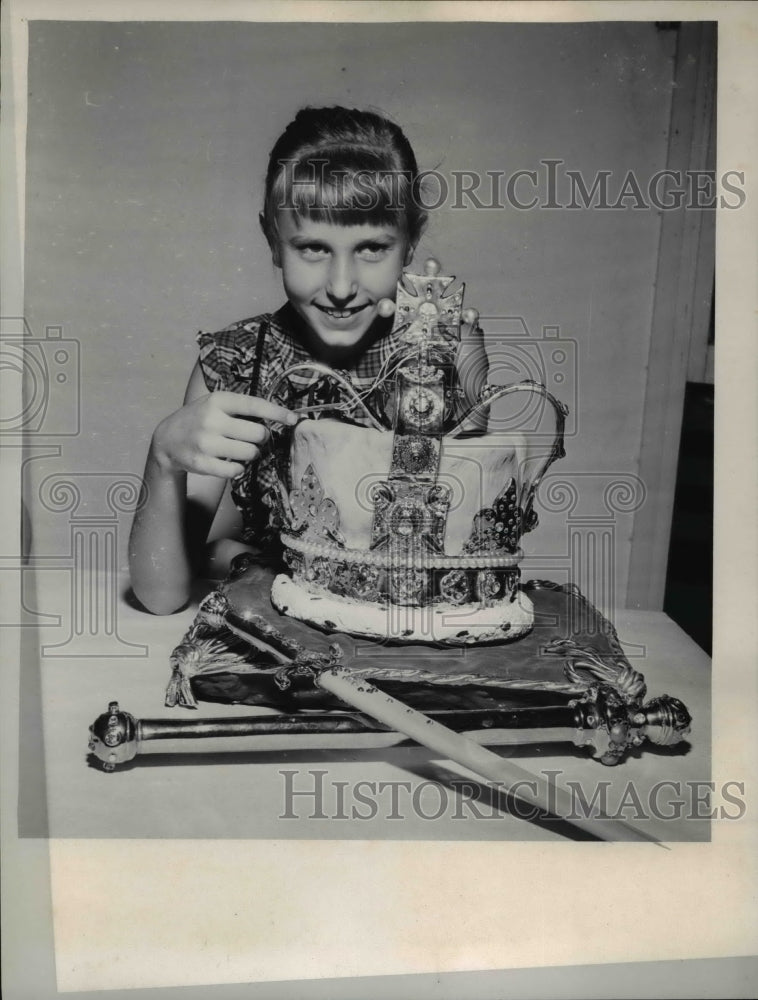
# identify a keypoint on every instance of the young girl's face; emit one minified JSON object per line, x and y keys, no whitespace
{"x":335,"y":276}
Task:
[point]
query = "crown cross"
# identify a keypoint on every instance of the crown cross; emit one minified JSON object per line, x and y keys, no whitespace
{"x":425,"y":315}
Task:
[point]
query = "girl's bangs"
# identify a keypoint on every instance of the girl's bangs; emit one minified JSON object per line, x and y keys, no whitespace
{"x":318,"y":191}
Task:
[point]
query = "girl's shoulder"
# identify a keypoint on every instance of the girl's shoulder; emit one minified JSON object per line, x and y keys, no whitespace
{"x":231,"y":358}
{"x":239,"y":338}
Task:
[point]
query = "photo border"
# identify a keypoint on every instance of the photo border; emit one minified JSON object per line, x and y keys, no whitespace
{"x":723,"y":872}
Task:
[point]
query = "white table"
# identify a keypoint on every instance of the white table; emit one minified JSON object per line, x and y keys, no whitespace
{"x":244,"y":796}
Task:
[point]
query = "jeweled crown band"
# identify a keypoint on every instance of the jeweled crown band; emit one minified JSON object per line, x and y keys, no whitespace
{"x":406,"y":579}
{"x":388,"y":559}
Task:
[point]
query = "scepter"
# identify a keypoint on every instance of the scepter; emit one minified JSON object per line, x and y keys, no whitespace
{"x":598,"y":721}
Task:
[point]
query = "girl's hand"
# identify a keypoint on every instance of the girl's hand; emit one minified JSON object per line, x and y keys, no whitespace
{"x":216,"y":434}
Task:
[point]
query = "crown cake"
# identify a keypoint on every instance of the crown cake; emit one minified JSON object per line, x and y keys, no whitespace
{"x":409,"y":529}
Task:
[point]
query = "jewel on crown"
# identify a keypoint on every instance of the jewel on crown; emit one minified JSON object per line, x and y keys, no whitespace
{"x":393,"y":536}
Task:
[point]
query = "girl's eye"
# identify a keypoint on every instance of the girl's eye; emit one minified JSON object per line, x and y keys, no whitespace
{"x":313,"y":251}
{"x":373,"y":251}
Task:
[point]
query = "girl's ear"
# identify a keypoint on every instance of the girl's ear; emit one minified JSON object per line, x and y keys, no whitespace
{"x":271,"y":240}
{"x":409,"y":252}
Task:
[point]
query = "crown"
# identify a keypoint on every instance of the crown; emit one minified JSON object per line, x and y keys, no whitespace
{"x":409,"y":528}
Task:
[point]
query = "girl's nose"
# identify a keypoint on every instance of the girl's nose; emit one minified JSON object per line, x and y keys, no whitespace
{"x":342,"y":285}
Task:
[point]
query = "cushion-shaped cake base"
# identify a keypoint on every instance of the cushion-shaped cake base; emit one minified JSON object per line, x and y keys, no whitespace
{"x":451,"y":624}
{"x":214,"y":664}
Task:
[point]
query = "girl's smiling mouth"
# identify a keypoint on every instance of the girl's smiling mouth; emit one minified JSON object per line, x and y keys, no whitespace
{"x":345,"y":313}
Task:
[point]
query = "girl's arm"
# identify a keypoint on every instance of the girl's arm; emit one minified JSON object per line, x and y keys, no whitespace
{"x":192,"y":454}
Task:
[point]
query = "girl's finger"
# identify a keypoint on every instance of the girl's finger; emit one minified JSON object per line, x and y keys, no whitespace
{"x":240,"y":429}
{"x":208,"y":466}
{"x":230,"y":449}
{"x":237,"y":405}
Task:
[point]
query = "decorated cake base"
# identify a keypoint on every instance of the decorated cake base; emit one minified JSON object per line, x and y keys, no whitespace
{"x":216,"y":662}
{"x":452,"y":624}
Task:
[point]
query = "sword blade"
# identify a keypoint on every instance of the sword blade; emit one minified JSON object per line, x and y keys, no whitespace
{"x":457,"y":747}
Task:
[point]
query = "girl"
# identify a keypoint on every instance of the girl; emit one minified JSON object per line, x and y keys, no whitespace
{"x":342,"y":216}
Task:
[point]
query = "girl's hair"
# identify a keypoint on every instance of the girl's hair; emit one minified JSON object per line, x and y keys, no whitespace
{"x":344,"y":166}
